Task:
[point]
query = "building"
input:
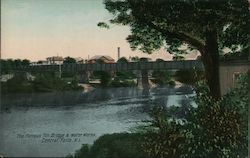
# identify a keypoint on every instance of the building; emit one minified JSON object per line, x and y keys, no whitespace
{"x":79,"y":60}
{"x":101,"y":59}
{"x":230,"y":71}
{"x":55,"y":60}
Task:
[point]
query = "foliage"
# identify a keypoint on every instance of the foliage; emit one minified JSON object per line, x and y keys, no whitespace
{"x":125,"y":83}
{"x":207,"y":26}
{"x":122,"y":79}
{"x":18,"y":83}
{"x":230,"y":139}
{"x":46,"y":82}
{"x":159,"y":60}
{"x":66,"y":74}
{"x":235,"y":56}
{"x":105,"y":79}
{"x":83,"y":152}
{"x":190,"y":76}
{"x":50,"y":82}
{"x":103,"y":25}
{"x":178,"y":58}
{"x":134,"y":59}
{"x":174,"y":23}
{"x":69,"y":60}
{"x":122,"y":60}
{"x":144,"y":59}
{"x":213,"y":129}
{"x":8,"y":65}
{"x":162,"y":77}
{"x":123,"y":75}
{"x":118,"y":145}
{"x":164,"y":137}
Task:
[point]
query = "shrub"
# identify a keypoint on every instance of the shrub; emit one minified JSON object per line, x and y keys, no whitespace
{"x":118,"y":145}
{"x":164,"y":137}
{"x":219,"y":128}
{"x":19,"y":83}
{"x":189,"y":76}
{"x":212,"y":129}
{"x":162,"y":77}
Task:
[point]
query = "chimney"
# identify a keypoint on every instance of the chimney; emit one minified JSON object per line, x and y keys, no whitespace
{"x":118,"y":50}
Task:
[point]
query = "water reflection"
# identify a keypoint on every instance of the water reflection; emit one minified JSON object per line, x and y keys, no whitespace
{"x":99,"y":111}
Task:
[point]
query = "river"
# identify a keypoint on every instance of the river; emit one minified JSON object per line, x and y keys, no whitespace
{"x":56,"y":124}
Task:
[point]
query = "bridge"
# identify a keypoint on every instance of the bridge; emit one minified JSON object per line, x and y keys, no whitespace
{"x":228,"y":70}
{"x":140,"y":68}
{"x":162,"y":65}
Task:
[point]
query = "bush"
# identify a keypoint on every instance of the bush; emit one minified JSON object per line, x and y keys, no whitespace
{"x":189,"y":76}
{"x":18,"y":83}
{"x":171,"y":83}
{"x":125,"y":83}
{"x":42,"y":83}
{"x":219,"y":128}
{"x":213,"y":129}
{"x":163,"y":137}
{"x":123,"y":75}
{"x":50,"y":82}
{"x":162,"y":77}
{"x":119,"y":145}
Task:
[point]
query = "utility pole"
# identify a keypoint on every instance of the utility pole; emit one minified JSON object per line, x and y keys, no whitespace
{"x":60,"y":70}
{"x":119,"y":55}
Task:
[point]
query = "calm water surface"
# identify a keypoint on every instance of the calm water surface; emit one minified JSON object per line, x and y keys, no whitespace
{"x":36,"y":125}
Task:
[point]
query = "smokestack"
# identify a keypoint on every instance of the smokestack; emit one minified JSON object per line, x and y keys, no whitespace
{"x":118,"y":50}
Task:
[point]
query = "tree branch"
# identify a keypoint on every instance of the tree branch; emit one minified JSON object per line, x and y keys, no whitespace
{"x":178,"y":35}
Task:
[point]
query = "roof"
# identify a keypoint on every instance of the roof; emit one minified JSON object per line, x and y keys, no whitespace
{"x":55,"y":58}
{"x":96,"y":57}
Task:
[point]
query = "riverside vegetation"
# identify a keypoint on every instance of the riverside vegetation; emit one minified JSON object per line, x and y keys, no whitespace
{"x":42,"y":83}
{"x":184,"y":132}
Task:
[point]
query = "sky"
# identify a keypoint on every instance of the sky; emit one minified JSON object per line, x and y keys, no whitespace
{"x":37,"y":29}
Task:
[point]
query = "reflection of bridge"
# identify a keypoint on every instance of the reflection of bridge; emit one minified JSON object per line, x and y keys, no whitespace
{"x":140,"y":68}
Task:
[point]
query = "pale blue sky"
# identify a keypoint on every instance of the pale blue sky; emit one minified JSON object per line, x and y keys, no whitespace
{"x":36,"y":29}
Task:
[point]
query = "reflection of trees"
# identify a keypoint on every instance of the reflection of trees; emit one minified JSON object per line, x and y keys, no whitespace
{"x":145,"y":92}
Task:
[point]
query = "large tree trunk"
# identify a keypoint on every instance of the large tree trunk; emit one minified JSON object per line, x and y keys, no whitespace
{"x":210,"y":58}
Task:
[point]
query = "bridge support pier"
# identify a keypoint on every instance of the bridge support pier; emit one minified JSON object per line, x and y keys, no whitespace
{"x":142,"y":79}
{"x":84,"y":77}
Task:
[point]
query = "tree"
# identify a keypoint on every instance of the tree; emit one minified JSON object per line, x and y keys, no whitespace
{"x":178,"y":57}
{"x":204,"y":25}
{"x":69,"y":60}
{"x":26,"y":62}
{"x":144,"y":59}
{"x":161,"y":76}
{"x":17,"y":62}
{"x":134,"y":59}
{"x":159,"y":60}
{"x":122,"y":60}
{"x":105,"y":79}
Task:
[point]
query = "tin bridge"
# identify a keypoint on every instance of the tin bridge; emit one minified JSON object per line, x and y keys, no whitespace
{"x":164,"y":65}
{"x":141,"y":68}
